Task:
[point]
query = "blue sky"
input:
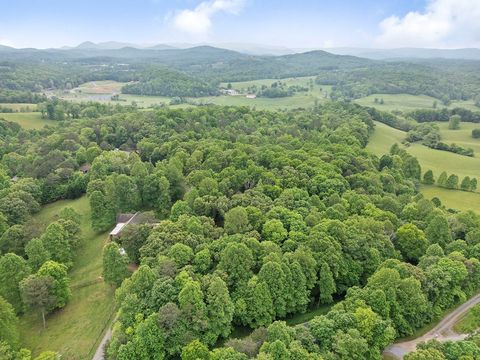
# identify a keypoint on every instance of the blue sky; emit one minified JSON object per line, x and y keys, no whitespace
{"x":294,"y":24}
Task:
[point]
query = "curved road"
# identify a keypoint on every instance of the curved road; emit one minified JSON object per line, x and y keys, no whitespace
{"x":442,"y":332}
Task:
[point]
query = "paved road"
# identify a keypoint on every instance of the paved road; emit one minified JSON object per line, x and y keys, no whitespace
{"x":442,"y":332}
{"x":99,"y":353}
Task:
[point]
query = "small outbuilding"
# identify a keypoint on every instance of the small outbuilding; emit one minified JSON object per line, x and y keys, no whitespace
{"x":130,"y":219}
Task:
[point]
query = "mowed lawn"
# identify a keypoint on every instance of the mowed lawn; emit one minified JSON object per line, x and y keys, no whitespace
{"x":28,"y":120}
{"x":75,"y":330}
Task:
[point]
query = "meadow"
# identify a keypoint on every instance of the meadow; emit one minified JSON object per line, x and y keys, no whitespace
{"x":430,"y":159}
{"x":19,"y":106}
{"x":407,"y":102}
{"x":102,"y":91}
{"x":28,"y":120}
{"x":76,"y":330}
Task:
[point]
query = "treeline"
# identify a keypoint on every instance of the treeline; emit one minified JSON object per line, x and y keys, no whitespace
{"x":444,"y":114}
{"x":429,"y":135}
{"x":278,"y":89}
{"x":468,"y":348}
{"x":14,"y":96}
{"x":57,"y":109}
{"x":451,"y":182}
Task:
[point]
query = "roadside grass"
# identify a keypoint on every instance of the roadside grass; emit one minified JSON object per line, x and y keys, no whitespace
{"x":76,"y":330}
{"x":27,"y":120}
{"x":426,"y":328}
{"x":470,"y":322}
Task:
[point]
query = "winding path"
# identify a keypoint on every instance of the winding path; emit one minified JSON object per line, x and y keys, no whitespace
{"x":442,"y":332}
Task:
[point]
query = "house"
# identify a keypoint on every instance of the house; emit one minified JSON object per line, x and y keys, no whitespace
{"x":230,"y":92}
{"x":130,"y":219}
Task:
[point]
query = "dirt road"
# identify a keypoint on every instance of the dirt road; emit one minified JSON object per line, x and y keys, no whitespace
{"x":442,"y":332}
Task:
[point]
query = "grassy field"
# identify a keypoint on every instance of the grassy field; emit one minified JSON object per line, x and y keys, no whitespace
{"x":454,"y":199}
{"x":407,"y":102}
{"x":437,"y":161}
{"x":403,"y":102}
{"x":383,"y":138}
{"x":102,"y":91}
{"x":75,"y":330}
{"x":19,"y":107}
{"x":28,"y":120}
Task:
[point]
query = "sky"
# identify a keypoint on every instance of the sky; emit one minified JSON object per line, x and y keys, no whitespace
{"x":295,"y":24}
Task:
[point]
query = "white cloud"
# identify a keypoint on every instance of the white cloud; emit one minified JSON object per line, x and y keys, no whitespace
{"x":443,"y":23}
{"x":198,"y":22}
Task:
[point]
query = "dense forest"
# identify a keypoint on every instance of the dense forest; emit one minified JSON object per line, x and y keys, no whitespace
{"x":260,"y":216}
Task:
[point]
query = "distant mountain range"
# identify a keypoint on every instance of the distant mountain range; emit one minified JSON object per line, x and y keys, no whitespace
{"x":103,"y":48}
{"x":408,"y":53}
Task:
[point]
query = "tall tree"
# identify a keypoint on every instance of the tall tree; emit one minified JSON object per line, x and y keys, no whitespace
{"x":326,"y":284}
{"x":428,"y":178}
{"x":8,"y":323}
{"x":13,"y":269}
{"x":103,"y":212}
{"x":411,"y":242}
{"x":56,"y":242}
{"x":115,"y":264}
{"x":220,"y":310}
{"x":454,"y":122}
{"x":60,"y":285}
{"x":36,"y":254}
{"x":38,"y":294}
{"x":442,"y":179}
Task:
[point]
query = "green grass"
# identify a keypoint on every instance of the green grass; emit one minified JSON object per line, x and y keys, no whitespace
{"x":430,"y":159}
{"x":308,"y":315}
{"x":453,"y":199}
{"x":102,"y":91}
{"x":469,"y":322}
{"x":407,"y":102}
{"x":28,"y":120}
{"x":403,"y":102}
{"x":19,"y":106}
{"x":75,"y":330}
{"x":383,"y":138}
{"x":437,"y":161}
{"x":462,"y":137}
